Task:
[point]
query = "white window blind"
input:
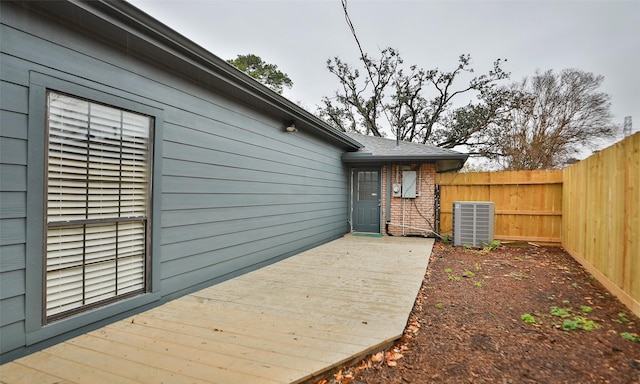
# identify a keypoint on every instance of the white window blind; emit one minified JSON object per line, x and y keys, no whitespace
{"x":97,"y":202}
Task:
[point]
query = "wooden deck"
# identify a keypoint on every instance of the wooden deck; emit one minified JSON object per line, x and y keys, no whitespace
{"x":284,"y":323}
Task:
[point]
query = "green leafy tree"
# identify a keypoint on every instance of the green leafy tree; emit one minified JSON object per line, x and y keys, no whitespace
{"x":267,"y":74}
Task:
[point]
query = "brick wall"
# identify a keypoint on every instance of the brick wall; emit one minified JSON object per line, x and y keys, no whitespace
{"x":418,"y":213}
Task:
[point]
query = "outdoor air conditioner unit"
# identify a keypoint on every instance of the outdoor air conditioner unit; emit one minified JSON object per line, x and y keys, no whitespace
{"x":473,"y":223}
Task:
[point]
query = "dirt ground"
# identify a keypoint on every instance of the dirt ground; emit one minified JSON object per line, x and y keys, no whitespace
{"x":515,"y":314}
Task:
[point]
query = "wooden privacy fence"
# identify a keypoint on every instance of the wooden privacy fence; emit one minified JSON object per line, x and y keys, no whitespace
{"x":528,"y":204}
{"x":592,"y":208}
{"x":601,"y":218}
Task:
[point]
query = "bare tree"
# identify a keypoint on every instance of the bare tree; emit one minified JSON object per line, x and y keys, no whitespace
{"x":413,"y":104}
{"x":538,"y":123}
{"x":479,"y":125}
{"x":556,"y":115}
{"x":421,"y":118}
{"x":359,"y":105}
{"x":411,"y":113}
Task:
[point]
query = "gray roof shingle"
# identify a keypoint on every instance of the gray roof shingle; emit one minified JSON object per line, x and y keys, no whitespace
{"x":380,"y":149}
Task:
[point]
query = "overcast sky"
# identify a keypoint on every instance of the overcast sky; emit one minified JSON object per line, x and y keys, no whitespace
{"x":602,"y":37}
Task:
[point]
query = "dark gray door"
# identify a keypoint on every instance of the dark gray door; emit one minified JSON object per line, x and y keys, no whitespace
{"x":366,"y":200}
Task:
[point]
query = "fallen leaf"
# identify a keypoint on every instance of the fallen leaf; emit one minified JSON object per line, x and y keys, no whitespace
{"x":363,"y":365}
{"x":391,"y":357}
{"x":377,"y":357}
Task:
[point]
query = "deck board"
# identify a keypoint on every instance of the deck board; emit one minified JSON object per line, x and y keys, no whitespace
{"x":318,"y":350}
{"x":218,"y":350}
{"x":351,"y":324}
{"x":69,"y":370}
{"x":19,"y":374}
{"x":283,"y":323}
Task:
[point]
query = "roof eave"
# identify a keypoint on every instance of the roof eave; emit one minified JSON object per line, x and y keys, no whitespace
{"x":444,"y":163}
{"x":145,"y":27}
{"x":355,"y":157}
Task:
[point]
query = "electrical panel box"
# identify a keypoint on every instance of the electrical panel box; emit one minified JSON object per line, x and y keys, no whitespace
{"x":409,"y":184}
{"x":473,"y":223}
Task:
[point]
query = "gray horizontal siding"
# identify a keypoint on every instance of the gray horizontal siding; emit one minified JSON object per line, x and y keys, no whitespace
{"x":13,"y":200}
{"x":12,"y":322}
{"x":253,"y":198}
{"x":172,"y":184}
{"x":12,"y":336}
{"x":189,"y":153}
{"x":194,"y":217}
{"x":223,"y":238}
{"x":237,"y":192}
{"x":12,"y":124}
{"x":252,"y":170}
{"x":12,"y":301}
{"x":12,"y":231}
{"x":189,"y":201}
{"x":12,"y":257}
{"x":14,"y":178}
{"x":13,"y":151}
{"x":12,"y":310}
{"x":240,"y":259}
{"x":14,"y":205}
{"x":214,"y":134}
{"x":12,"y":284}
{"x":218,"y":225}
{"x":15,"y":97}
{"x":13,"y":208}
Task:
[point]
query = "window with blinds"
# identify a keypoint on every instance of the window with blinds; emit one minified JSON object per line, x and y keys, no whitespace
{"x":98,"y":182}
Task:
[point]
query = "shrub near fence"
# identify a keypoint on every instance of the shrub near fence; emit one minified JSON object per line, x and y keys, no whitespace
{"x":601,"y":218}
{"x":528,"y":204}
